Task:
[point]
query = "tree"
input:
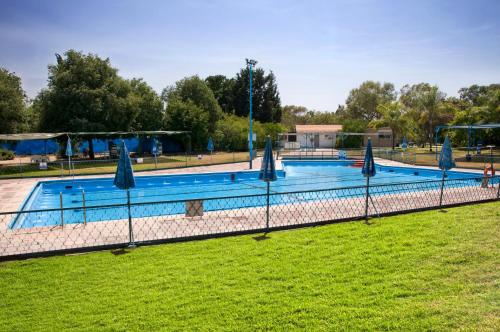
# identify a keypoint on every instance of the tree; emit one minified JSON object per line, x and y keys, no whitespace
{"x":478,"y":105}
{"x":363,"y":101}
{"x":352,"y":126}
{"x":222,"y":88}
{"x":85,"y":93}
{"x":392,"y":116}
{"x":151,"y":112}
{"x":477,"y":95}
{"x":293,"y":115}
{"x":423,"y":104}
{"x":265,"y":96}
{"x":12,"y":103}
{"x":232,"y":133}
{"x":195,"y":91}
{"x":186,"y":115}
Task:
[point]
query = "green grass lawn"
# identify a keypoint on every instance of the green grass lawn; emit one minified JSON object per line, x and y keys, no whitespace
{"x":424,"y":271}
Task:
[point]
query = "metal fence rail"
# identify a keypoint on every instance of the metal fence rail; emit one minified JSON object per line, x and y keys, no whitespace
{"x":106,"y":226}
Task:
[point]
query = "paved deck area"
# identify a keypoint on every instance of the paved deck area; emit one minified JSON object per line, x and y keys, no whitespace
{"x":296,"y":210}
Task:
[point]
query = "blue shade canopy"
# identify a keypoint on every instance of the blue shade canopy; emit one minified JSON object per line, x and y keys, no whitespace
{"x":368,"y":169}
{"x":210,"y":145}
{"x":446,"y":161}
{"x":268,"y":169}
{"x":69,"y":150}
{"x":124,"y":177}
{"x":404,"y":145}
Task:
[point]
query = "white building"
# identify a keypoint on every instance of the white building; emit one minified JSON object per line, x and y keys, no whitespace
{"x":311,"y":137}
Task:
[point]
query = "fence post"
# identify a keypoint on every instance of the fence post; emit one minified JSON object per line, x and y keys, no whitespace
{"x":21,"y":168}
{"x":267,"y":210}
{"x":61,"y":205}
{"x":130,"y":231}
{"x":366,"y":198}
{"x":62,"y":169}
{"x":498,"y":191}
{"x":186,"y":159}
{"x":84,"y":209}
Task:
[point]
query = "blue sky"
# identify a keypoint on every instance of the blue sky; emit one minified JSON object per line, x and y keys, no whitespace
{"x":319,"y":50}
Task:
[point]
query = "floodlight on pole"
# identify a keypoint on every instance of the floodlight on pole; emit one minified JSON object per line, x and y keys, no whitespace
{"x":250,"y":64}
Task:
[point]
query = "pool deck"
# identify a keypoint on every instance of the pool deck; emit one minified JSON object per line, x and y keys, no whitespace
{"x":13,"y":192}
{"x":294,"y":210}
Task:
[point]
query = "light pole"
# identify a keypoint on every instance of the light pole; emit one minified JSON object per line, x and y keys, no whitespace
{"x":250,"y":64}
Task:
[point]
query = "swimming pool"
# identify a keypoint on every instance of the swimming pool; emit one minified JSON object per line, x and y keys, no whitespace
{"x":296,"y":176}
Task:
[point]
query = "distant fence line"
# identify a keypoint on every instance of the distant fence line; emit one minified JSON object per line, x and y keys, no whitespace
{"x":61,"y":168}
{"x":75,"y":229}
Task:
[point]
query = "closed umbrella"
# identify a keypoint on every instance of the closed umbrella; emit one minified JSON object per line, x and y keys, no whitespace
{"x":124,"y":179}
{"x":154,"y":151}
{"x":69,"y":153}
{"x":368,"y":171}
{"x":268,"y":172}
{"x":446,"y":162}
{"x":404,"y":145}
{"x":210,"y":146}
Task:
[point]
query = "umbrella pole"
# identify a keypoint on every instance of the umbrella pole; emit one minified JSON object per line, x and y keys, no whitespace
{"x":130,"y":232}
{"x":366,"y":198}
{"x":442,"y":187}
{"x":267,"y":211}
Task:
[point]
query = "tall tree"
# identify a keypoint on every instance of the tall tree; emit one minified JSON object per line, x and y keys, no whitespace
{"x":196,"y":91}
{"x":191,"y":106}
{"x":186,"y":115}
{"x":151,"y":111}
{"x":222,"y":88}
{"x":265,"y":96}
{"x":363,"y":101}
{"x":423,"y":103}
{"x":85,"y":93}
{"x":12,"y":103}
{"x":392,"y":116}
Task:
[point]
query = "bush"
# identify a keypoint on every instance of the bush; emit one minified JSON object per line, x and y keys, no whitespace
{"x":231,"y":133}
{"x":6,"y":154}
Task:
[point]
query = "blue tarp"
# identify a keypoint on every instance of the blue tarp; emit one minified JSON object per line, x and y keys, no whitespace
{"x":32,"y":147}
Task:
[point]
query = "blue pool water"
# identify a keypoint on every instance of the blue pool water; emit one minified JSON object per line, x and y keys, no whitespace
{"x":297,"y":176}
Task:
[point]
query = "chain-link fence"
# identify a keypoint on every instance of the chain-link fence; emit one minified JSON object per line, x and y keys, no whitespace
{"x":51,"y":231}
{"x":328,"y":154}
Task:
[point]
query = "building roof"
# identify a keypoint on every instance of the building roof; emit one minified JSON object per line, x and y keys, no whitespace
{"x":379,"y":130}
{"x":303,"y":129}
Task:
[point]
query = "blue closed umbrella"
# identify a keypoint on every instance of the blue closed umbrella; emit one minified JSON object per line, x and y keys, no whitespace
{"x":368,"y":171}
{"x":268,"y":172}
{"x":404,"y":145}
{"x":446,"y":162}
{"x":210,"y":145}
{"x":124,"y":179}
{"x":268,"y":168}
{"x":69,"y":153}
{"x":69,"y":150}
{"x":154,"y":151}
{"x":154,"y":148}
